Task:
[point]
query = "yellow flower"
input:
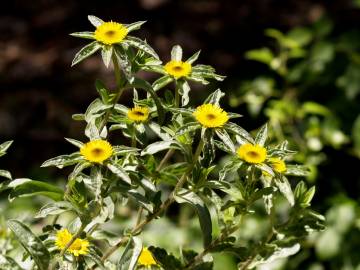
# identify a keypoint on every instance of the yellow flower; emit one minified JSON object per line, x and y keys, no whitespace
{"x":97,"y":151}
{"x":110,"y":32}
{"x":138,"y":114}
{"x":211,"y":116}
{"x":252,"y":153}
{"x":146,"y":258}
{"x":178,"y":69}
{"x":79,"y":247}
{"x":277,"y":164}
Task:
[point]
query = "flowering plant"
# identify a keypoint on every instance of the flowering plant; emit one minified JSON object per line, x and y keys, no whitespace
{"x":250,"y":180}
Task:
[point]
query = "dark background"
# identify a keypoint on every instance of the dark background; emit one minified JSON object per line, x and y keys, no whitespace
{"x":39,"y":91}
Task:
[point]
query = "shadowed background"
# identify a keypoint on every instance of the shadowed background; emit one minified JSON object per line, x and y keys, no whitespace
{"x":39,"y":91}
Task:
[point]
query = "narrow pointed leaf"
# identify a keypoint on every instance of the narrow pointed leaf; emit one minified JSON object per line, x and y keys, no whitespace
{"x":85,"y":52}
{"x":95,"y":21}
{"x":176,"y":53}
{"x":32,"y":244}
{"x":141,"y":45}
{"x":194,"y":57}
{"x":261,"y":136}
{"x":134,"y":26}
{"x":202,"y":211}
{"x":162,"y":82}
{"x":120,"y":172}
{"x":87,"y":35}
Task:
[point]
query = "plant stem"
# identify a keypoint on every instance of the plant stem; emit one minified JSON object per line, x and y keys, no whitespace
{"x":81,"y":229}
{"x":133,"y":137}
{"x":165,"y":159}
{"x":177,"y":95}
{"x":163,"y":207}
{"x":120,"y":89}
{"x":221,"y":238}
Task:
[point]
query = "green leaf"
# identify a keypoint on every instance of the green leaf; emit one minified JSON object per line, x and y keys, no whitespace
{"x":141,"y":45}
{"x":141,"y":199}
{"x":7,"y":263}
{"x":129,"y":258}
{"x":297,"y":170}
{"x":261,"y":136}
{"x":6,"y":174}
{"x":24,"y":187}
{"x":184,"y":196}
{"x":124,"y":150}
{"x":176,"y":53}
{"x":96,"y":259}
{"x":224,"y":136}
{"x":75,"y":142}
{"x":184,"y":89}
{"x":284,"y":186}
{"x":31,"y":243}
{"x":214,"y":97}
{"x":103,"y":92}
{"x":278,"y":253}
{"x":86,"y":51}
{"x":159,"y":146}
{"x":161,"y":82}
{"x":124,"y":62}
{"x":188,"y":127}
{"x":63,"y":160}
{"x":139,"y":83}
{"x":5,"y":146}
{"x":87,"y":35}
{"x":134,"y":26}
{"x":167,"y":261}
{"x":119,"y":171}
{"x":194,"y":57}
{"x":54,"y":209}
{"x":106,"y":55}
{"x":95,"y":21}
{"x":96,"y":181}
{"x":263,"y":55}
{"x":242,"y":136}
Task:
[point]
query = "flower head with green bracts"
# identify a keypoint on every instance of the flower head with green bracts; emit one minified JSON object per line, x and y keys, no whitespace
{"x":133,"y":122}
{"x":113,"y":39}
{"x":181,"y":72}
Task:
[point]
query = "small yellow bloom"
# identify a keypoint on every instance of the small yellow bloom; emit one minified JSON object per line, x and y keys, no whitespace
{"x":110,"y":32}
{"x":211,"y":116}
{"x":178,"y":69}
{"x":252,"y":153}
{"x":277,"y":164}
{"x":97,"y":151}
{"x":138,"y":114}
{"x":79,"y":247}
{"x":146,"y":258}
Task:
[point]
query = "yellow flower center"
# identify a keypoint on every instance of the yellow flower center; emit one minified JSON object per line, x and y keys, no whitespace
{"x":97,"y":151}
{"x":138,"y":114}
{"x":277,"y":164}
{"x":252,"y":153}
{"x":210,"y":116}
{"x":146,"y":258}
{"x":110,"y":32}
{"x":78,"y":247}
{"x":178,"y":69}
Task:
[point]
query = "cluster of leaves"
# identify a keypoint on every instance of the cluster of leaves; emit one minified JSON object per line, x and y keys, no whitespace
{"x":310,"y":94}
{"x":312,"y":82}
{"x":140,"y":176}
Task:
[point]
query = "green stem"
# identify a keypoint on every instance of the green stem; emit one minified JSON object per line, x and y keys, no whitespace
{"x":133,"y":137}
{"x":120,"y":86}
{"x":163,"y":207}
{"x":213,"y":244}
{"x":177,"y":95}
